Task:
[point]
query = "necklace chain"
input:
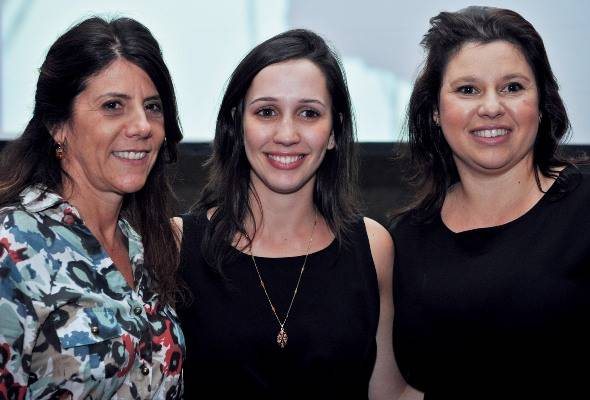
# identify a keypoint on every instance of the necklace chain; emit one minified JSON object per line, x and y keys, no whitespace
{"x":282,"y":335}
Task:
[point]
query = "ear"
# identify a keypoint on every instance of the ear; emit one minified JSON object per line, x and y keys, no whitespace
{"x":436,"y":118}
{"x":59,"y":132}
{"x":331,"y":141}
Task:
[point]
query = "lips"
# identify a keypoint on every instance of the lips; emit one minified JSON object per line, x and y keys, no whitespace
{"x":490,"y":133}
{"x":285,"y":161}
{"x":130,"y":155}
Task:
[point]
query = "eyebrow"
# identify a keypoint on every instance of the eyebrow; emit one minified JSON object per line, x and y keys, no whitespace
{"x":315,"y":101}
{"x":471,"y":78}
{"x":513,"y":76}
{"x":466,"y":79}
{"x":304,"y":101}
{"x":126,"y":96}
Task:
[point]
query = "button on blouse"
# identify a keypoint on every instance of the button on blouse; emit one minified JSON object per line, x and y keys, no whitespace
{"x":69,"y":323}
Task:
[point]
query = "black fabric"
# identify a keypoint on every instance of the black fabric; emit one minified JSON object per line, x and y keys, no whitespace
{"x":500,"y":312}
{"x":231,"y":332}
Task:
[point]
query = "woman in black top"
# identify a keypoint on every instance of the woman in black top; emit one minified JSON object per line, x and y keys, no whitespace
{"x":291,"y":286}
{"x":492,"y":278}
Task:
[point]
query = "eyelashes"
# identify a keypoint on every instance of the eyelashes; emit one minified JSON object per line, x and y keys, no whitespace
{"x":112,"y":105}
{"x":266,"y":112}
{"x":270,"y":112}
{"x":467,"y":90}
{"x":470,"y":90}
{"x":513,"y":87}
{"x":153,"y":107}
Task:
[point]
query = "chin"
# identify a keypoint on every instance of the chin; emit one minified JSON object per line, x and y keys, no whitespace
{"x":285,"y":188}
{"x":129,"y":187}
{"x":494,"y":167}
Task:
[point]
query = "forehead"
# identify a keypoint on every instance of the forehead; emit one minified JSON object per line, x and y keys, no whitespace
{"x":300,"y":77}
{"x":487,"y":60}
{"x":120,"y":76}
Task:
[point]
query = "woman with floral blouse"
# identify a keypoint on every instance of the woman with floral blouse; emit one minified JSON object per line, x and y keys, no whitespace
{"x":87,"y":257}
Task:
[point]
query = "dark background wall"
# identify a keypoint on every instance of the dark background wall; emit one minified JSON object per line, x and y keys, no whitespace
{"x":383,"y":168}
{"x":381,"y":175}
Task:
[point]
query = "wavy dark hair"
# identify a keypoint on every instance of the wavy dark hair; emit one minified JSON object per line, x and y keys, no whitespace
{"x":430,"y":155}
{"x":228,"y":187}
{"x":82,"y":52}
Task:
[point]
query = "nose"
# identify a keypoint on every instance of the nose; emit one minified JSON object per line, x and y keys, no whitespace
{"x":286,"y":132}
{"x":491,"y":106}
{"x":139,"y":125}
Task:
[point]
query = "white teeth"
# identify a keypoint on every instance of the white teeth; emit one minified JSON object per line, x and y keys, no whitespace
{"x":285,"y":159}
{"x":130,"y":155}
{"x":490,"y":133}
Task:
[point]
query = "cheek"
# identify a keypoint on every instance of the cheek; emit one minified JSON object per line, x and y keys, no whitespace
{"x":256,"y":134}
{"x":319,"y":135}
{"x":251,"y":129}
{"x":526,"y":113}
{"x":454,"y":115}
{"x":158,"y":133}
{"x":249,"y":140}
{"x":87,"y":146}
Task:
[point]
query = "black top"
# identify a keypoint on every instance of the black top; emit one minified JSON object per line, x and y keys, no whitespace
{"x":231,"y":332}
{"x":500,"y":311}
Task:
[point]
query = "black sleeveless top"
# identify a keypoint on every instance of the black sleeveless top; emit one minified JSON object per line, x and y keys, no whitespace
{"x":231,"y":331}
{"x":500,"y":312}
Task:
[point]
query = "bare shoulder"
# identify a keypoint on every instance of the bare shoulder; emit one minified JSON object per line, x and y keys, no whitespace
{"x":381,"y":245}
{"x":177,"y":226}
{"x":379,"y":237}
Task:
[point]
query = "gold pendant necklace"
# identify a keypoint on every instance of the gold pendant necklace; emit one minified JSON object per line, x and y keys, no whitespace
{"x":282,"y":335}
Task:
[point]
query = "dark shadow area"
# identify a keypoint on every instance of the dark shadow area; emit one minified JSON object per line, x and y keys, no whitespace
{"x":381,"y":175}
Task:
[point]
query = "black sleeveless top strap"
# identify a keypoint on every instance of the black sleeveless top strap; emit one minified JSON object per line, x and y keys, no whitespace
{"x":231,"y":331}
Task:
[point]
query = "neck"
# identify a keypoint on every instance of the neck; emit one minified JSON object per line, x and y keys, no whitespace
{"x":483,"y":200}
{"x":100,"y":211}
{"x":282,"y":213}
{"x":282,"y":221}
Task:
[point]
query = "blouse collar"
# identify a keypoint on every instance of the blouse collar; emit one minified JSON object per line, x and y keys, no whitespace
{"x":38,"y":199}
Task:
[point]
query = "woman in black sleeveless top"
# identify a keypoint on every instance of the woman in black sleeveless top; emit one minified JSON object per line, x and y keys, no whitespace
{"x":492,"y":278}
{"x":291,"y":286}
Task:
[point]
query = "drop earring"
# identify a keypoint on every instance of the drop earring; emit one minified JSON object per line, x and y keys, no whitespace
{"x":60,"y":150}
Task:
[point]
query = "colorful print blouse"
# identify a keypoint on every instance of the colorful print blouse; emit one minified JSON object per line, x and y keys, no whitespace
{"x":70,"y":325}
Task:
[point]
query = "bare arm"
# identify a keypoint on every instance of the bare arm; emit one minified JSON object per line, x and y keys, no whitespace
{"x":386,"y":381}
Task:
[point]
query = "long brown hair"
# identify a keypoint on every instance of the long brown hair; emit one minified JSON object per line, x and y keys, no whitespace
{"x":228,"y":186}
{"x":81,"y":52}
{"x":431,"y":156}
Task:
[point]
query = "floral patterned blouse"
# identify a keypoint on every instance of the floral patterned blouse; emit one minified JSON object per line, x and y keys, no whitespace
{"x":70,"y":325}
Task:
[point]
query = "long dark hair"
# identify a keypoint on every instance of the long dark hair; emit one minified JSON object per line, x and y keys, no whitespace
{"x":77,"y":55}
{"x":431,"y":156}
{"x":228,"y":186}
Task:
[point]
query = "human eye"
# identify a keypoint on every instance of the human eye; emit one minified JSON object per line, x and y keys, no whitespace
{"x":154,"y":107}
{"x":112,"y":105}
{"x":309,"y":113}
{"x":513,"y":87}
{"x":467,"y":90}
{"x":266,"y":112}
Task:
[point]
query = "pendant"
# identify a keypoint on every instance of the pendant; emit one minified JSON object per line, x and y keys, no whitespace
{"x":282,"y":338}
